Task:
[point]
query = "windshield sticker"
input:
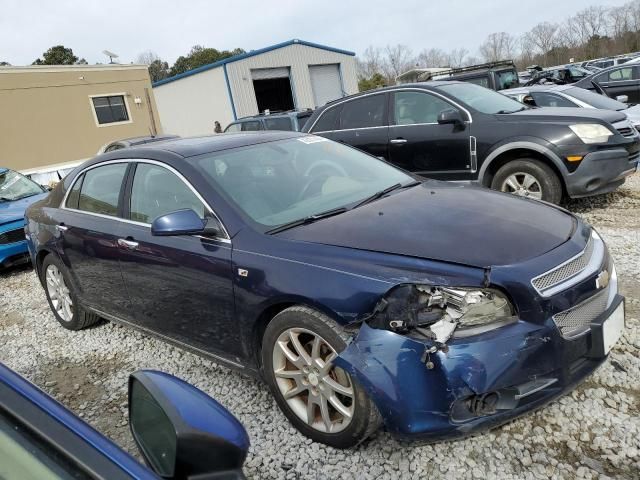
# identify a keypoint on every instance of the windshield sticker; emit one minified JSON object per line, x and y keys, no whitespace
{"x":9,"y":183}
{"x":311,"y":139}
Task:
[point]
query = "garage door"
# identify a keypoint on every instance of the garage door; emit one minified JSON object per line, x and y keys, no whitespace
{"x":325,"y":82}
{"x":268,"y":73}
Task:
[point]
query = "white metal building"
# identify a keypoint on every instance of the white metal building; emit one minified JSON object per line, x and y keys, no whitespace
{"x":290,"y":75}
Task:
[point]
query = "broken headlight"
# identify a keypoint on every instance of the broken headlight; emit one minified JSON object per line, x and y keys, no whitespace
{"x":440,"y":312}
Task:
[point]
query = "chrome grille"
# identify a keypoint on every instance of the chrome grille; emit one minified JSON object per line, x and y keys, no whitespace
{"x":577,"y":319}
{"x":12,"y":236}
{"x":565,"y":271}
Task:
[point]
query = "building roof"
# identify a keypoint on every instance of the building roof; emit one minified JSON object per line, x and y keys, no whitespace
{"x":252,"y":53}
{"x":67,"y":68}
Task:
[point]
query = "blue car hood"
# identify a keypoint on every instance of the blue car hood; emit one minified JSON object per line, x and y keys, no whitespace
{"x":12,"y":211}
{"x":446,"y":222}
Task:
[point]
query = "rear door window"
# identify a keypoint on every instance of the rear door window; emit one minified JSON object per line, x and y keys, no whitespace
{"x":100,"y":189}
{"x":74,"y":193}
{"x":327,"y":121}
{"x":234,"y":127}
{"x":364,"y":112}
{"x":281,"y":123}
{"x":251,"y":126}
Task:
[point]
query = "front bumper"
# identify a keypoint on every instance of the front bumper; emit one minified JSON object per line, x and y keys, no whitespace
{"x":601,"y":172}
{"x":420,"y":403}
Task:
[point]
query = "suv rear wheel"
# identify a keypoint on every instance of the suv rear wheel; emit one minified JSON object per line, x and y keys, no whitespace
{"x":528,"y":177}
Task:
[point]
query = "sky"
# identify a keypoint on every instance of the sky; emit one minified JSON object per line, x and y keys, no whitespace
{"x":171,"y":28}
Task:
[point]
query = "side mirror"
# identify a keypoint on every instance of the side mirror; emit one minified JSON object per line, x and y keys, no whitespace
{"x":180,"y":222}
{"x":450,"y":116}
{"x":622,"y":98}
{"x":46,"y":188}
{"x":181,"y":431}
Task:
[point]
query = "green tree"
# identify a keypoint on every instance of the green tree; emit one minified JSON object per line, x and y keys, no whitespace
{"x":158,"y":68}
{"x":59,"y":55}
{"x":199,"y":56}
{"x":5,"y":64}
{"x":377,"y":80}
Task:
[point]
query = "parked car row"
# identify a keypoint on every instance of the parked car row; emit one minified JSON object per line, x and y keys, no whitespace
{"x":360,"y":293}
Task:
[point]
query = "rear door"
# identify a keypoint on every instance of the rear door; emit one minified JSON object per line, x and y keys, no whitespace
{"x":623,"y":80}
{"x":89,"y":229}
{"x":179,"y":286}
{"x":419,"y":144}
{"x":362,"y":123}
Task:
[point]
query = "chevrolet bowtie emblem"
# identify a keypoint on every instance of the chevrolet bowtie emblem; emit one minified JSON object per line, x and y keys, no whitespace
{"x":602,"y":280}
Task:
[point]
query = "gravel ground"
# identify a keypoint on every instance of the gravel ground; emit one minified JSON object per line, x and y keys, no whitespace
{"x":592,"y":433}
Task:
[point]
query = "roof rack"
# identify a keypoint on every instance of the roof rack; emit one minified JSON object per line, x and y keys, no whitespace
{"x":471,"y":68}
{"x":277,"y":112}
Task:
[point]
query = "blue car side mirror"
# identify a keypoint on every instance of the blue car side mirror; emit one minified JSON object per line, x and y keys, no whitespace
{"x":180,"y":222}
{"x":181,"y":431}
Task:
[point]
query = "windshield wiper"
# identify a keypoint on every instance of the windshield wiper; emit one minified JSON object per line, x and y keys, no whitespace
{"x":306,"y":220}
{"x":382,"y":193}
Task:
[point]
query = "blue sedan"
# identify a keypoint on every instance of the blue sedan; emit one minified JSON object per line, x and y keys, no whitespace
{"x":360,"y":294}
{"x":17,"y":192}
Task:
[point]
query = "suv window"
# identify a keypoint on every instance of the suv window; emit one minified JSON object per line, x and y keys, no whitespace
{"x":543,"y":99}
{"x":100,"y":189}
{"x":157,"y":191}
{"x":482,"y":81}
{"x":363,"y":112}
{"x":281,"y":123}
{"x":327,"y":120}
{"x":417,"y":107}
{"x":251,"y":126}
{"x":620,"y":74}
{"x":507,"y":79}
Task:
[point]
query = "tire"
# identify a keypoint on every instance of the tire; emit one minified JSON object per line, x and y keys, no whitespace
{"x":68,"y":312}
{"x":550,"y":187}
{"x":307,"y":325}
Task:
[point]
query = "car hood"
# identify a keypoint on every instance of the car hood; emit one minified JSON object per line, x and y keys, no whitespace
{"x":564,"y":114}
{"x":446,"y":222}
{"x":12,"y":211}
{"x":633,"y":114}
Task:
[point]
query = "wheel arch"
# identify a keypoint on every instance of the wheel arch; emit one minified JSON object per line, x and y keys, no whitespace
{"x":513,"y":151}
{"x":269,"y":311}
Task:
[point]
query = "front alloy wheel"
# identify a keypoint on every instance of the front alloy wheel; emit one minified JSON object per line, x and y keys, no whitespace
{"x":321,"y":400}
{"x":319,"y":393}
{"x":523,"y":185}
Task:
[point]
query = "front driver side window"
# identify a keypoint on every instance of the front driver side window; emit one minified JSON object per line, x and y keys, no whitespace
{"x":157,"y":191}
{"x":417,"y":107}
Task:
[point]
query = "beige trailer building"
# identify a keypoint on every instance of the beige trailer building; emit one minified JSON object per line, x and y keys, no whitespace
{"x":291,"y":75}
{"x":54,"y":117}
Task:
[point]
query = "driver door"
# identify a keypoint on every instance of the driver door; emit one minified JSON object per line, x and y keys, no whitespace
{"x":179,"y":286}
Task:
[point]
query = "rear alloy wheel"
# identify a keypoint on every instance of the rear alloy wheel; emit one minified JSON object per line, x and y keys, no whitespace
{"x":61,"y":297}
{"x":529,"y":178}
{"x":319,"y":399}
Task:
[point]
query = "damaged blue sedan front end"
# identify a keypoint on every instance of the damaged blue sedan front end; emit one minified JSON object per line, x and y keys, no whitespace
{"x":562,"y":319}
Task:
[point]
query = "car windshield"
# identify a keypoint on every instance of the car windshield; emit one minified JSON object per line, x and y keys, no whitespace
{"x":482,"y":99}
{"x":14,"y":186}
{"x":595,"y":100}
{"x":276,"y":183}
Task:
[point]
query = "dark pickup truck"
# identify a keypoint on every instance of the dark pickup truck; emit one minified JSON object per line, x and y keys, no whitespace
{"x":462,"y":132}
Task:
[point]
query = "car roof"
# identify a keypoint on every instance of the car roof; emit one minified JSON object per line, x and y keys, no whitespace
{"x":145,"y":139}
{"x":429,"y":85}
{"x":287,"y":114}
{"x":191,"y":146}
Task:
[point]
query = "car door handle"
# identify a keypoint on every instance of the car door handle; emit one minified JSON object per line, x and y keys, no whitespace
{"x":130,"y":244}
{"x":398,"y":141}
{"x":62,"y":227}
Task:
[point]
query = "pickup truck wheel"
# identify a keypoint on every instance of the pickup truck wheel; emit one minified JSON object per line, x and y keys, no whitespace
{"x":530,"y":178}
{"x":321,"y":400}
{"x":61,"y":296}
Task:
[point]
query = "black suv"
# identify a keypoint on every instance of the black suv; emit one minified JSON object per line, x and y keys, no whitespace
{"x":495,"y":75}
{"x":293,"y":120}
{"x":463,"y":132}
